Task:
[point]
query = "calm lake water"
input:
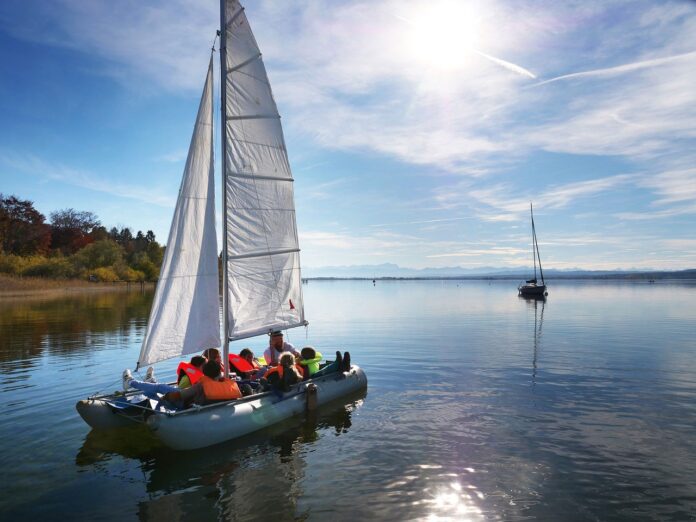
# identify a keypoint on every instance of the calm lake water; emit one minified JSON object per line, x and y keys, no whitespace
{"x":480,"y":406}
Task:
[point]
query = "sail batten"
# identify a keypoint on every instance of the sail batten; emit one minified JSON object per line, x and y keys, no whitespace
{"x":239,"y":66}
{"x":261,"y":254}
{"x":254,"y":117}
{"x":249,"y":176}
{"x":184,"y":317}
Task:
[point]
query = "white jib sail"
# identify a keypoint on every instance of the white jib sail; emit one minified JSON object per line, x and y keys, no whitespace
{"x":263,"y":259}
{"x":185,"y":312}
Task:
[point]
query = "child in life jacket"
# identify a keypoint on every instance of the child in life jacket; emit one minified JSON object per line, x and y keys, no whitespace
{"x":283,"y":376}
{"x":213,"y":354}
{"x":246,"y":365}
{"x":190,"y":373}
{"x":310,"y":360}
{"x":211,"y":387}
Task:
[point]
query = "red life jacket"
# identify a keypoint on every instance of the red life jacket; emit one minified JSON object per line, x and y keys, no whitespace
{"x":194,"y":374}
{"x":241,"y":365}
{"x":220,"y":390}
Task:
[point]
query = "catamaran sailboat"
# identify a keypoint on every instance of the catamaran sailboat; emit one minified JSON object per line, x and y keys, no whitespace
{"x":532,"y":287}
{"x":262,"y":289}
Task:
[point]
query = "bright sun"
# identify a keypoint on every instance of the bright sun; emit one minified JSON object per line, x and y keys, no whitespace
{"x":443,"y":34}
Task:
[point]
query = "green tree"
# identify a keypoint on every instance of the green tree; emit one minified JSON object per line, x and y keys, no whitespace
{"x":99,"y":254}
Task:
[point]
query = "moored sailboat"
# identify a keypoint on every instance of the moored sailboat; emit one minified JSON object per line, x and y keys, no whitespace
{"x":533,"y":287}
{"x":262,"y":290}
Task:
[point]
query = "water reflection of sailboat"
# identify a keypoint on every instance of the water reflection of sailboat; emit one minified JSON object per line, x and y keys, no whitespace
{"x":238,"y":476}
{"x":538,"y":325}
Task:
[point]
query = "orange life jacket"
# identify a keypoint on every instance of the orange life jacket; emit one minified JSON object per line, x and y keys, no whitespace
{"x":220,"y":390}
{"x":279,"y":370}
{"x":194,"y":374}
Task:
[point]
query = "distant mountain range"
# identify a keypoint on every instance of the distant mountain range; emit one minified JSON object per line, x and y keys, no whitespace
{"x":391,"y":270}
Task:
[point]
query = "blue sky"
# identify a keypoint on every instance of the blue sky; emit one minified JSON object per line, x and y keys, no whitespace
{"x":418,"y":131}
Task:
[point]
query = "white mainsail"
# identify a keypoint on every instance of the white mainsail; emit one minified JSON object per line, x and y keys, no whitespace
{"x":263,"y":260}
{"x":185,"y":312}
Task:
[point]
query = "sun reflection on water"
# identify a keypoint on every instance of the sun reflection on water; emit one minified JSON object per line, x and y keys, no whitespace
{"x":455,"y":499}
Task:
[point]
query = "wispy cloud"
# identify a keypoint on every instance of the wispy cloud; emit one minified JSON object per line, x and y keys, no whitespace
{"x":503,"y":197}
{"x":163,"y":43}
{"x":676,"y":195}
{"x":423,"y":222}
{"x":322,"y":190}
{"x":176,"y":156}
{"x":35,"y":166}
{"x":494,"y":251}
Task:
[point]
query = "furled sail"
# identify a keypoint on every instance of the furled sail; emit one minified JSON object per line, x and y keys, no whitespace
{"x":263,"y":260}
{"x":185,"y":313}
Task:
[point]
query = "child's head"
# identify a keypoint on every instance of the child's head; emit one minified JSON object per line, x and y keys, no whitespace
{"x":247,"y":354}
{"x":212,"y":354}
{"x":287,"y":359}
{"x":308,"y":352}
{"x":198,"y":361}
{"x":211,"y":369}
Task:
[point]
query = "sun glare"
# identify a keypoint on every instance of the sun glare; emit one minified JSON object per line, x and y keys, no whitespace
{"x":443,"y":34}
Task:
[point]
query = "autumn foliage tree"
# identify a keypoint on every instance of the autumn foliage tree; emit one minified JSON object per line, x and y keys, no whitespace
{"x":75,"y":244}
{"x":71,"y":230}
{"x":22,"y":228}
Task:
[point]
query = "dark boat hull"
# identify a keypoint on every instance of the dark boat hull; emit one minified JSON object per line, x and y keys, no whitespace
{"x":532,"y":290}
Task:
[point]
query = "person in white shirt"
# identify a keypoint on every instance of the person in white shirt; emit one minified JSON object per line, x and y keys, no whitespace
{"x":276,"y":346}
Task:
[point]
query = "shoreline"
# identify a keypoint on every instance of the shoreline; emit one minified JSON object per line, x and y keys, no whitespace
{"x":11,"y":286}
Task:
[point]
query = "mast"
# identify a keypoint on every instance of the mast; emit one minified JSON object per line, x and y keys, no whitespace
{"x":533,"y":235}
{"x":223,"y":167}
{"x":536,"y":246}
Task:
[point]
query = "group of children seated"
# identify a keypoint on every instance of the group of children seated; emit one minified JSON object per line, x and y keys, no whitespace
{"x":201,"y":380}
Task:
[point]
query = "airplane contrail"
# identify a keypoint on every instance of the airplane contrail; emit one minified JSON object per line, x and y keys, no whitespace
{"x":507,"y":65}
{"x":609,"y":71}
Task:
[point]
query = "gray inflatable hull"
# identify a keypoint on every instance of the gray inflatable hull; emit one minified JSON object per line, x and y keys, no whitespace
{"x":199,"y":427}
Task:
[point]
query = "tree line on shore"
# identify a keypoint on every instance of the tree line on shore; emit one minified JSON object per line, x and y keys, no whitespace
{"x":73,"y":244}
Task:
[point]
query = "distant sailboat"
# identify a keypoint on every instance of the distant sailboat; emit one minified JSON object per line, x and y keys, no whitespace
{"x":261,"y":262}
{"x":532,"y":287}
